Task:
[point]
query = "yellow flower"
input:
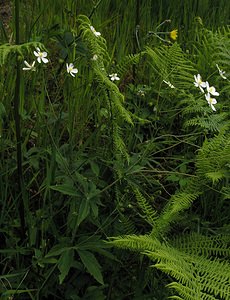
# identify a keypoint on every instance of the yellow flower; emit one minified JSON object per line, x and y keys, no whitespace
{"x":173,"y":34}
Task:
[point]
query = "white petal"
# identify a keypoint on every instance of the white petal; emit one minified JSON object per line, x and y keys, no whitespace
{"x":44,"y":54}
{"x":45,"y":60}
{"x":39,"y":59}
{"x":213,"y":101}
{"x":25,"y":69}
{"x":201,"y":88}
{"x":72,"y":74}
{"x":26,"y":63}
{"x":213,"y":108}
{"x":203,"y":84}
{"x":35,"y":53}
{"x":74,"y":71}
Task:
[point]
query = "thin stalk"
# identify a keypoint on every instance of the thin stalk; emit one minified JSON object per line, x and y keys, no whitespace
{"x":136,"y":44}
{"x":94,"y":9}
{"x":18,"y":126}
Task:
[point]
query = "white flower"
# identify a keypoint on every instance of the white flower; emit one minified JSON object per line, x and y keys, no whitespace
{"x":199,"y":83}
{"x":71,"y":70}
{"x":141,"y":93}
{"x":95,"y":57}
{"x":28,"y":66}
{"x":41,"y":56}
{"x":211,"y":101}
{"x":114,"y":77}
{"x":169,"y":84}
{"x":211,"y":90}
{"x":221,"y":72}
{"x":97,"y":33}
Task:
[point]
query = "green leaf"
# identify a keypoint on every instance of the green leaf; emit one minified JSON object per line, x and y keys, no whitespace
{"x":83,"y":211}
{"x":65,"y":263}
{"x":57,"y":250}
{"x":91,"y":264}
{"x":95,"y":168}
{"x":65,"y":189}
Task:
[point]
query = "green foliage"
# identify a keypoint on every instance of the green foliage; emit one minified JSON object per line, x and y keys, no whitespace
{"x":193,"y":260}
{"x":213,"y":158}
{"x":8,"y":50}
{"x":170,"y":63}
{"x":133,"y":158}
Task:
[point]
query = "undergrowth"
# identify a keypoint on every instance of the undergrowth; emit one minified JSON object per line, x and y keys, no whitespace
{"x":114,"y":134}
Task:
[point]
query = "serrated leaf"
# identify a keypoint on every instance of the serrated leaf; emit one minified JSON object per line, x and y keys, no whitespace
{"x":65,"y":263}
{"x":91,"y":264}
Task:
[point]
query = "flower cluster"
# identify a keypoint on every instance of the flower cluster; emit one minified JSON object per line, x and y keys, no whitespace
{"x":210,"y":91}
{"x":41,"y":56}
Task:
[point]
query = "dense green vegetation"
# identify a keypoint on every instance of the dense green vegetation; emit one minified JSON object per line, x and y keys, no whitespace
{"x":114,"y":169}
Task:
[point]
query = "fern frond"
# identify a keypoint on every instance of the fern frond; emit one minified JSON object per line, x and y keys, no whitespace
{"x":149,"y":213}
{"x":134,"y":242}
{"x":176,"y":204}
{"x":188,"y":293}
{"x":197,"y":277}
{"x":171,"y":64}
{"x":213,"y":123}
{"x":119,"y":145}
{"x":206,"y":246}
{"x":213,"y":158}
{"x":6,"y":50}
{"x":128,"y":61}
{"x":96,"y":45}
